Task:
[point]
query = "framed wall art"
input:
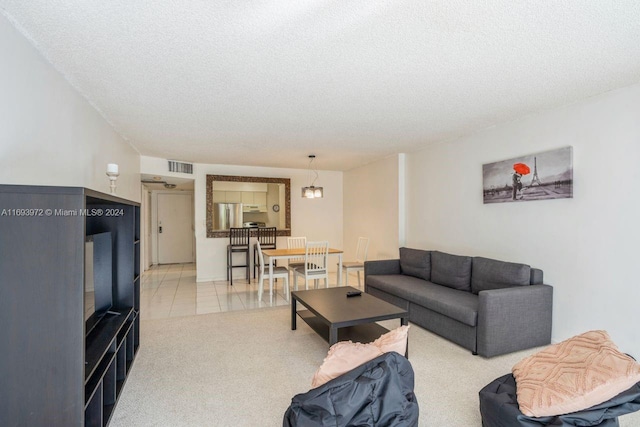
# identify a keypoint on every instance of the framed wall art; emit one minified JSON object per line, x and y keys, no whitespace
{"x":541,"y":176}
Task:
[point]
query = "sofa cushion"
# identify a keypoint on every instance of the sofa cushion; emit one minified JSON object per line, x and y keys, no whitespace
{"x":453,"y":271}
{"x":493,"y":274}
{"x":456,"y":304}
{"x":399,"y":285}
{"x":459,"y":305}
{"x":536,"y":276}
{"x":416,"y":263}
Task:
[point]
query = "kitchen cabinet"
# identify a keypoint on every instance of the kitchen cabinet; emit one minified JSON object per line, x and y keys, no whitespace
{"x":254,"y":201}
{"x":251,"y":199}
{"x":247,"y":197}
{"x":234,"y":197}
{"x":260,"y":199}
{"x":219,"y":197}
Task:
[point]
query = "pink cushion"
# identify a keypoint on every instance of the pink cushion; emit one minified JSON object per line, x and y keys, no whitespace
{"x":346,"y":355}
{"x":395,"y":340}
{"x":573,"y":375}
{"x":343,"y":357}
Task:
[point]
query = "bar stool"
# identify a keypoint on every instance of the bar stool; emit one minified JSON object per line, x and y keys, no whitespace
{"x":267,"y":239}
{"x":238,"y":243}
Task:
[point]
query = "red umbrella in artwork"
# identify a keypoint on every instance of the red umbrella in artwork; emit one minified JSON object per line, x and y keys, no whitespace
{"x":521,"y":168}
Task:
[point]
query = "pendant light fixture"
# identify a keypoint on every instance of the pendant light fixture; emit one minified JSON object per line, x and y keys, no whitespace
{"x":312,"y":192}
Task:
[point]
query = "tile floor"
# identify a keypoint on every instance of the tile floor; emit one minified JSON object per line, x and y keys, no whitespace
{"x":172,"y":291}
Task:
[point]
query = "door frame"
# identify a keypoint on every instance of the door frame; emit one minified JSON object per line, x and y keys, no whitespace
{"x":145,"y":229}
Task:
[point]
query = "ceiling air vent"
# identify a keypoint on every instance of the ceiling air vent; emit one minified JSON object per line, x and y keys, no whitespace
{"x":182,"y":167}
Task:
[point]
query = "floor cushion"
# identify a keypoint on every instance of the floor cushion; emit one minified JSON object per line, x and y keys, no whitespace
{"x":499,"y":408}
{"x":573,"y":375}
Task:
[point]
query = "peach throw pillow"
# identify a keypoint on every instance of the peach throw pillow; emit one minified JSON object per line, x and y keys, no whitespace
{"x":573,"y":375}
{"x":395,"y":340}
{"x":346,"y":355}
{"x":343,"y":357}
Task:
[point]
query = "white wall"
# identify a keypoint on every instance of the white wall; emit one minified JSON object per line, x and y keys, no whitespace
{"x":587,"y":246}
{"x":317,"y":219}
{"x":49,"y":133}
{"x":371,"y":208}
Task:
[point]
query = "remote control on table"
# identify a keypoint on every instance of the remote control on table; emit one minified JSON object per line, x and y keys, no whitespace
{"x":354,"y":294}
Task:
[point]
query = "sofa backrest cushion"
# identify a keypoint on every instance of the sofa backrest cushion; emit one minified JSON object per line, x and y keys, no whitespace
{"x":416,"y":263}
{"x":536,"y":276}
{"x":493,"y":274}
{"x":452,"y":271}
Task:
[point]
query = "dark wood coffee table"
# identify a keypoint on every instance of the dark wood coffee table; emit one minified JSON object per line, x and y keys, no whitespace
{"x":337,"y":318}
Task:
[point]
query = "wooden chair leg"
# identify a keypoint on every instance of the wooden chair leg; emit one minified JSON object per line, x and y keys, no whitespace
{"x":286,"y":288}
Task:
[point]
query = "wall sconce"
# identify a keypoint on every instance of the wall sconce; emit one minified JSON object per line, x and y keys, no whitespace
{"x":112,"y":173}
{"x":312,"y":192}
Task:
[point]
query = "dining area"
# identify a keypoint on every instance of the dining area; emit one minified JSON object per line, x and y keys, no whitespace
{"x":249,"y":221}
{"x":302,"y":264}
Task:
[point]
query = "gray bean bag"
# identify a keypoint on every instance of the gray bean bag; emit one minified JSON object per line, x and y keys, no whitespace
{"x":377,"y":393}
{"x":499,"y":408}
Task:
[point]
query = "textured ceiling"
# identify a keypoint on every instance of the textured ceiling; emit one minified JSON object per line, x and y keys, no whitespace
{"x":266,"y":83}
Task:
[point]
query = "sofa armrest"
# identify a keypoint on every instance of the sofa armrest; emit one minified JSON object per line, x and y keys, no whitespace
{"x":514,"y":318}
{"x":383,"y":266}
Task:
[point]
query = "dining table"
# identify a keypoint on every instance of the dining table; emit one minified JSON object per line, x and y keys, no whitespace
{"x":276,"y":254}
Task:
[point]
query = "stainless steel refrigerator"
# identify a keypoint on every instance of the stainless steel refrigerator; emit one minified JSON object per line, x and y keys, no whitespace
{"x":227,"y":215}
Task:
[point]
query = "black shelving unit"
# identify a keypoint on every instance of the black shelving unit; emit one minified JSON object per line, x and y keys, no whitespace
{"x":52,"y":373}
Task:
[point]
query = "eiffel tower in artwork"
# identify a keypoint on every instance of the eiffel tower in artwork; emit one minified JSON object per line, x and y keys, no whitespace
{"x":535,"y":180}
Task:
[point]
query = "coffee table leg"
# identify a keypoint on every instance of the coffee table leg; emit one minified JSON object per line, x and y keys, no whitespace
{"x":333,"y":335}
{"x":405,"y":321}
{"x":293,"y":314}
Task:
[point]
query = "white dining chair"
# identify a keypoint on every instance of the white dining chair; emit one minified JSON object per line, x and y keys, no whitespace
{"x":296,"y":243}
{"x":278,"y":273}
{"x":315,"y":265}
{"x":358,"y":264}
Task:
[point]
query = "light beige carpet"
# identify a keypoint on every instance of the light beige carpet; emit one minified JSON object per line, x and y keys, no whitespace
{"x":242,"y":369}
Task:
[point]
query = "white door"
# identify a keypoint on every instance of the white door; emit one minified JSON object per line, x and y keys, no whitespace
{"x":175,"y":230}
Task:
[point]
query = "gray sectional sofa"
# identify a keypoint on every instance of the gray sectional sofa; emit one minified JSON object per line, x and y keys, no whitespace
{"x":488,"y":306}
